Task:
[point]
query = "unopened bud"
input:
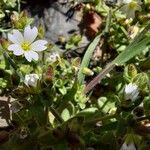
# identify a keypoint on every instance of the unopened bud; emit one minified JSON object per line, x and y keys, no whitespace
{"x":49,"y":73}
{"x":31,"y":80}
{"x":131,"y":92}
{"x":88,"y":7}
{"x":41,"y":31}
{"x":4,"y":43}
{"x":21,"y":20}
{"x":14,"y":18}
{"x":61,"y":39}
{"x":132,"y":71}
{"x":141,"y":80}
{"x":87,"y":72}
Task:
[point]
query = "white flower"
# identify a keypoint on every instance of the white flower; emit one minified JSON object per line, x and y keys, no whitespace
{"x":131,"y":92}
{"x":53,"y":56}
{"x":130,"y":146}
{"x":24,"y":44}
{"x":130,"y":7}
{"x":31,"y":79}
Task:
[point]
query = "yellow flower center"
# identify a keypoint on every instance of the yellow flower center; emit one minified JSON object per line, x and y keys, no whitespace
{"x":26,"y":46}
{"x":133,"y":5}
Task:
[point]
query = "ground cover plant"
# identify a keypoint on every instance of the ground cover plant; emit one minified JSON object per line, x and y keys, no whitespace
{"x":99,"y":101}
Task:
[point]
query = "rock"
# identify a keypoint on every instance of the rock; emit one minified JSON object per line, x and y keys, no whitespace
{"x":5,"y":113}
{"x":53,"y":16}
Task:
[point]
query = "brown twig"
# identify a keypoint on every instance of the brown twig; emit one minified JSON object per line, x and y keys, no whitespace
{"x":99,"y":77}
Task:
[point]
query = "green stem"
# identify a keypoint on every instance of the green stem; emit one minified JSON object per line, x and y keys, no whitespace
{"x":92,"y":46}
{"x":18,"y":1}
{"x":13,"y":64}
{"x":108,"y":22}
{"x":142,"y":118}
{"x":46,"y":114}
{"x":4,"y":30}
{"x":101,"y":119}
{"x":22,"y":121}
{"x":55,"y":113}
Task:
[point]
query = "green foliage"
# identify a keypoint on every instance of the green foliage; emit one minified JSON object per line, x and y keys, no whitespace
{"x":87,"y":57}
{"x":55,"y":113}
{"x":6,"y":8}
{"x":73,"y":41}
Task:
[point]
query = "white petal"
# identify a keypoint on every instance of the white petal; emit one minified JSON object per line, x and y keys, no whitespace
{"x":17,"y":50}
{"x":129,"y":146}
{"x":127,"y":1}
{"x":135,"y":95}
{"x":124,"y":9}
{"x":26,"y":79}
{"x":30,"y":34}
{"x":131,"y":14}
{"x":16,"y":37}
{"x":31,"y":79}
{"x":131,"y":92}
{"x":31,"y":55}
{"x":39,"y":45}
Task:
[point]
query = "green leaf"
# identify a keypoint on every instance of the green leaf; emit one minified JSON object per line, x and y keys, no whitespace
{"x":132,"y":51}
{"x":87,"y":57}
{"x":88,"y":111}
{"x":109,"y":126}
{"x":141,"y":80}
{"x":105,"y":105}
{"x":133,"y":138}
{"x":65,"y":114}
{"x":92,"y":46}
{"x":2,"y":15}
{"x":138,"y":45}
{"x":69,"y":96}
{"x":73,"y":41}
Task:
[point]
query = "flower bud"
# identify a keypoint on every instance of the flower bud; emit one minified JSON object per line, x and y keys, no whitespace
{"x":87,"y":72}
{"x":53,"y":57}
{"x":61,"y":39}
{"x":31,"y":80}
{"x":131,"y":92}
{"x":49,"y":73}
{"x":141,"y":80}
{"x":21,"y":20}
{"x":132,"y":71}
{"x":41,"y":31}
{"x":129,"y":146}
{"x":4,"y":43}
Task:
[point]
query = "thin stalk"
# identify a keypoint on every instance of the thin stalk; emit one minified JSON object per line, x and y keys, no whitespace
{"x":18,"y":1}
{"x":4,"y":30}
{"x":142,"y":118}
{"x":101,"y":119}
{"x":46,"y":114}
{"x":55,"y":113}
{"x":108,"y":22}
{"x":99,"y":77}
{"x":13,"y":65}
{"x":20,"y":118}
